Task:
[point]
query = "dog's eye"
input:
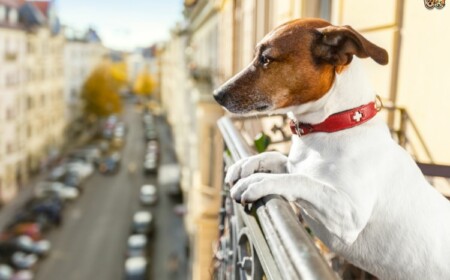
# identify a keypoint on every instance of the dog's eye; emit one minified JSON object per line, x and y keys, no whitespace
{"x":264,"y":60}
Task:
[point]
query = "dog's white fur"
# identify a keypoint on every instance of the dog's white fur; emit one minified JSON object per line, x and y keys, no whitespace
{"x":361,"y":193}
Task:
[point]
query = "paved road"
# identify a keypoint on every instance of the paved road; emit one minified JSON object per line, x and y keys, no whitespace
{"x":92,"y":241}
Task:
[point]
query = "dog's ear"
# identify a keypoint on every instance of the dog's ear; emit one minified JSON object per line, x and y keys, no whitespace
{"x":338,"y":44}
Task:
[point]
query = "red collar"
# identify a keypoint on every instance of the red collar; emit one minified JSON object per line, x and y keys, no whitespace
{"x":338,"y":121}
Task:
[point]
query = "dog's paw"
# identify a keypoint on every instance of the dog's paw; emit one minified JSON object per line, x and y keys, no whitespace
{"x":270,"y":162}
{"x":256,"y":186}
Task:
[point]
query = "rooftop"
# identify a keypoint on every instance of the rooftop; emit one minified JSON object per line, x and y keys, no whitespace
{"x":10,"y":3}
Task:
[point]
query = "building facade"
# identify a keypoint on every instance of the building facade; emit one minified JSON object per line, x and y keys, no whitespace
{"x":12,"y":101}
{"x":188,"y":76}
{"x":45,"y":97}
{"x":217,"y":40}
{"x":32,"y":106}
{"x":44,"y":86}
{"x":82,"y":53}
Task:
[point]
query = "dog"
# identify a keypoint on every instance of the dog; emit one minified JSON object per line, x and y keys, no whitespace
{"x":358,"y":190}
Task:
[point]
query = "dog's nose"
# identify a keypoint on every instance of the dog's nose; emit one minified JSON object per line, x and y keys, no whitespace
{"x":219,"y":96}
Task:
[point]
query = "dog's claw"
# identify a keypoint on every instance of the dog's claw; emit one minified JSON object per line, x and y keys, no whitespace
{"x":243,"y":203}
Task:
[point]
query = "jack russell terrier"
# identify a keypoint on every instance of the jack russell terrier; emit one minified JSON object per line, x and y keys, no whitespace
{"x":360,"y":193}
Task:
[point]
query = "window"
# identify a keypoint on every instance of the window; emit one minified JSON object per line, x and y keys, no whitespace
{"x":13,"y":16}
{"x":29,"y":103}
{"x":318,"y":8}
{"x":30,"y":48}
{"x":9,"y":114}
{"x":325,"y":9}
{"x":73,"y":94}
{"x":9,"y":148}
{"x":2,"y":13}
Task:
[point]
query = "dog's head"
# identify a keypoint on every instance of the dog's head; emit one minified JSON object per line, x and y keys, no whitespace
{"x":294,"y":64}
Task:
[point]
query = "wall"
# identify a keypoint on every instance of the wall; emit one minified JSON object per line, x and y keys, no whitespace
{"x":80,"y":59}
{"x":12,"y":142}
{"x":423,"y":84}
{"x":417,"y":42}
{"x":45,"y":97}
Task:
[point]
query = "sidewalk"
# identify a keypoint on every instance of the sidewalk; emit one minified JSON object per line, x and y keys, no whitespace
{"x":9,"y":210}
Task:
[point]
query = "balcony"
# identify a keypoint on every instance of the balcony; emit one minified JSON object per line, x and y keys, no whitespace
{"x":266,"y":240}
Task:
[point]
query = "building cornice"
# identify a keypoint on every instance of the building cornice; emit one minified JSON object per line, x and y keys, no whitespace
{"x":201,"y":13}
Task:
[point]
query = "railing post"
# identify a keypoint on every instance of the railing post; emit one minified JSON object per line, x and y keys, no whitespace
{"x":402,"y":130}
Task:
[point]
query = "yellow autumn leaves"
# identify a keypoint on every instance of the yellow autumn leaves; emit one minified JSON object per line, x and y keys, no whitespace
{"x":144,"y":84}
{"x":101,"y":90}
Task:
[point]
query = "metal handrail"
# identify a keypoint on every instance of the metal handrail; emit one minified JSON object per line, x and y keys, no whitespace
{"x":283,"y":247}
{"x":430,"y":168}
{"x":405,"y":119}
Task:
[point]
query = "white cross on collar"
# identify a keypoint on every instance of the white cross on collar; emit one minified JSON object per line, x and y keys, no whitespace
{"x":357,"y":116}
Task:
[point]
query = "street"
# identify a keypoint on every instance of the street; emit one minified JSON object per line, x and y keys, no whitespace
{"x":92,"y":241}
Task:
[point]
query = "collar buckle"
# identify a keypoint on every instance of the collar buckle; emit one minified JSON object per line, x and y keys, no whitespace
{"x":301,"y":128}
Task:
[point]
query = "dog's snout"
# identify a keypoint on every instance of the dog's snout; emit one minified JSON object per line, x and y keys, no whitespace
{"x":219,"y":96}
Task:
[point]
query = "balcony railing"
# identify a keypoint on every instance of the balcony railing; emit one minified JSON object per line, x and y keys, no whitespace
{"x":405,"y":131}
{"x":265,"y":240}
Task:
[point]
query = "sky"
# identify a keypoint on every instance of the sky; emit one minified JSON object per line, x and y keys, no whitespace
{"x":123,"y":24}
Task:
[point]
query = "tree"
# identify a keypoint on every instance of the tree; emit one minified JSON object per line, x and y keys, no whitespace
{"x":100,"y":91}
{"x":144,"y":83}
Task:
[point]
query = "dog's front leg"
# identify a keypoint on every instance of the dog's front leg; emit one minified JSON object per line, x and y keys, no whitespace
{"x":342,"y":215}
{"x":268,"y":162}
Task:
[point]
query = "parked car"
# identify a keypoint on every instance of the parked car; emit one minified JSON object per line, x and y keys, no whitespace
{"x":152,"y":147}
{"x":150,"y":166}
{"x":150,"y":133}
{"x":32,"y":230}
{"x":10,"y":254}
{"x":102,"y":145}
{"x":23,"y":274}
{"x":50,"y":206}
{"x":44,"y":189}
{"x":67,"y":175}
{"x":110,"y":164}
{"x":148,"y":195}
{"x":8,"y":273}
{"x":142,"y":222}
{"x":119,"y":130}
{"x":148,"y":119}
{"x":27,"y":216}
{"x":117,"y":143}
{"x":72,"y":178}
{"x":137,"y":245}
{"x":82,"y":168}
{"x":57,"y":173}
{"x":39,"y":247}
{"x":89,"y":154}
{"x":136,"y":268}
{"x":23,"y":260}
{"x":108,"y":126}
{"x":151,"y":158}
